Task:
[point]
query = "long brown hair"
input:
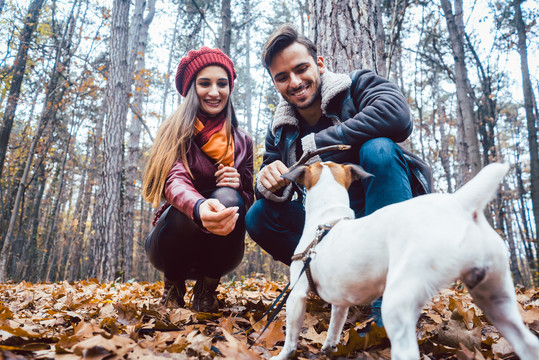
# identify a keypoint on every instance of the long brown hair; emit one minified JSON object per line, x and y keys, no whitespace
{"x":173,"y":141}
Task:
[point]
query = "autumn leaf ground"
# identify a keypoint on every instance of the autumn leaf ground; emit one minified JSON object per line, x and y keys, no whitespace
{"x":87,"y":319}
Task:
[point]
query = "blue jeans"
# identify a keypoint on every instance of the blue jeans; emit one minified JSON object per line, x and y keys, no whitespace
{"x":277,"y":227}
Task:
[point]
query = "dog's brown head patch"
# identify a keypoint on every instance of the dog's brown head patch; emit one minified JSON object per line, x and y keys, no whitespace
{"x":308,"y":176}
{"x":348,"y":173}
{"x":340,"y":173}
{"x":312,"y":175}
{"x":305,"y":175}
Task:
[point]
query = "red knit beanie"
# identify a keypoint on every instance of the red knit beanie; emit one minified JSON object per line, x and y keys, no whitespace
{"x":196,"y":60}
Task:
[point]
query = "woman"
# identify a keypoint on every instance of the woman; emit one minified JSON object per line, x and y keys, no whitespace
{"x":201,"y":164}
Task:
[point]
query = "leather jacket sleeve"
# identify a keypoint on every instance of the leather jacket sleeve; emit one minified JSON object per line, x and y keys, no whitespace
{"x":271,"y":154}
{"x":246,"y":169}
{"x":375,"y":108}
{"x":180,"y":191}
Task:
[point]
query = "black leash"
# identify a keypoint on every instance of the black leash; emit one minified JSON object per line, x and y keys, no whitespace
{"x":278,"y":307}
{"x":306,"y":257}
{"x":280,"y":301}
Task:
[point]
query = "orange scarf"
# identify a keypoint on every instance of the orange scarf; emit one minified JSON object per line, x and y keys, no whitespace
{"x":211,"y":138}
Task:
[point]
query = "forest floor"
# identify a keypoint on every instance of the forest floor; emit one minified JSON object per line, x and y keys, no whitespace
{"x":88,"y":319}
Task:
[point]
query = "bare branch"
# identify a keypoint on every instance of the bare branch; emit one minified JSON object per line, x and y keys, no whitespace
{"x":139,"y":116}
{"x":311,"y":153}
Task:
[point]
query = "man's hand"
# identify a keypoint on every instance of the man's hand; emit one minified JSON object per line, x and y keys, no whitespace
{"x":227,"y":176}
{"x":216,"y":218}
{"x":271,"y":178}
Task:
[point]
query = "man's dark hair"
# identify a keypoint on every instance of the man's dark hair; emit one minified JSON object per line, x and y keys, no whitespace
{"x":282,"y":38}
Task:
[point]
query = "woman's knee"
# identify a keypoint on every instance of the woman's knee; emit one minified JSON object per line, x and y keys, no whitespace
{"x":229,"y":197}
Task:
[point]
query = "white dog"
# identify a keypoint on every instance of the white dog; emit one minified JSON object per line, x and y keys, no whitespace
{"x":406,"y":252}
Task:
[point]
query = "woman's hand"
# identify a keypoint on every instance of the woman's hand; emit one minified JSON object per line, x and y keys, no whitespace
{"x":227,"y":176}
{"x":216,"y":218}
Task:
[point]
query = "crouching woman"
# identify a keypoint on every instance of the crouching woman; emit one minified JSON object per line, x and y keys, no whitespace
{"x":201,"y":165}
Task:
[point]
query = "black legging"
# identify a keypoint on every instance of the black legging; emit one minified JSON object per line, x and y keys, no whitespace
{"x":180,"y":249}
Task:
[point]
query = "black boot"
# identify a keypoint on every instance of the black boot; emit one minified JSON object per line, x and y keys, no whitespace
{"x":173,"y":294}
{"x":205,"y":295}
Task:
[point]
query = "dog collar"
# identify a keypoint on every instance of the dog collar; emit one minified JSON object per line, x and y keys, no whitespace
{"x":307,"y":255}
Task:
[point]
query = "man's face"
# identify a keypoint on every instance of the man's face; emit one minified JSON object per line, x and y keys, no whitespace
{"x":296,"y":76}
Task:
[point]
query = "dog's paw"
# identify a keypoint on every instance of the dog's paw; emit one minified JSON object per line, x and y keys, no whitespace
{"x":278,"y":357}
{"x":329,"y":348}
{"x":283,"y":355}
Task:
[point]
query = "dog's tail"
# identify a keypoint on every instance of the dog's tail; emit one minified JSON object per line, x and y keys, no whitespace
{"x":482,"y":188}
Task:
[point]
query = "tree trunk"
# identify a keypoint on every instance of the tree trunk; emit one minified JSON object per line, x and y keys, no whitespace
{"x":248,"y":81}
{"x":47,"y":248}
{"x":531,"y":117}
{"x":96,"y":158}
{"x":54,"y":94}
{"x":444,"y":147}
{"x":30,"y":252}
{"x":348,"y":34}
{"x":108,"y":231}
{"x":140,"y":38}
{"x":169,"y":66}
{"x":19,"y":66}
{"x":398,"y":12}
{"x":486,"y":109}
{"x":6,"y":201}
{"x":72,"y":268}
{"x":455,"y":27}
{"x":514,"y":259}
{"x":226,"y":27}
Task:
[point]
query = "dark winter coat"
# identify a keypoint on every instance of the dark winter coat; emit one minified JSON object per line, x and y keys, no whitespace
{"x":361,"y":106}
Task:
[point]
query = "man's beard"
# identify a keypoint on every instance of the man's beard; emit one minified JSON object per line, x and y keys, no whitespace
{"x":318,"y":86}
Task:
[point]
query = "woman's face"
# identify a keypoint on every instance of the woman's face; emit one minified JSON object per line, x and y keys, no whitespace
{"x":212,"y":89}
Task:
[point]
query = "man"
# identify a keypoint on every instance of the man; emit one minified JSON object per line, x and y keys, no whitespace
{"x":320,"y":108}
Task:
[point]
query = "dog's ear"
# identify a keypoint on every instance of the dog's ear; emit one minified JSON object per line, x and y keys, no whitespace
{"x":356,"y":172}
{"x":296,"y":175}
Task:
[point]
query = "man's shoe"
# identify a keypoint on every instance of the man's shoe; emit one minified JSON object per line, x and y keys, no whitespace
{"x":375,"y":315}
{"x":173,"y":294}
{"x":205,"y":295}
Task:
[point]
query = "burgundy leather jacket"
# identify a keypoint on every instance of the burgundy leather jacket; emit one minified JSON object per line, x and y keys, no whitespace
{"x":183,"y":191}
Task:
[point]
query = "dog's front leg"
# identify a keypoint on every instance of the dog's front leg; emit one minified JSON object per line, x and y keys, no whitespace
{"x":338,"y":317}
{"x":295,"y":314}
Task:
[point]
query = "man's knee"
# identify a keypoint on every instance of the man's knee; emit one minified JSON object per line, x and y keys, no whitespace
{"x":266,"y":216}
{"x":379,"y":153}
{"x":254,"y":222}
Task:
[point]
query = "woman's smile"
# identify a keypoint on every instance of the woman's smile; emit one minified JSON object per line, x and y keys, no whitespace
{"x":213,"y":89}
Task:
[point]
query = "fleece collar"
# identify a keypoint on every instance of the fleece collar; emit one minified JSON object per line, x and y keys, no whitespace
{"x":332,"y":84}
